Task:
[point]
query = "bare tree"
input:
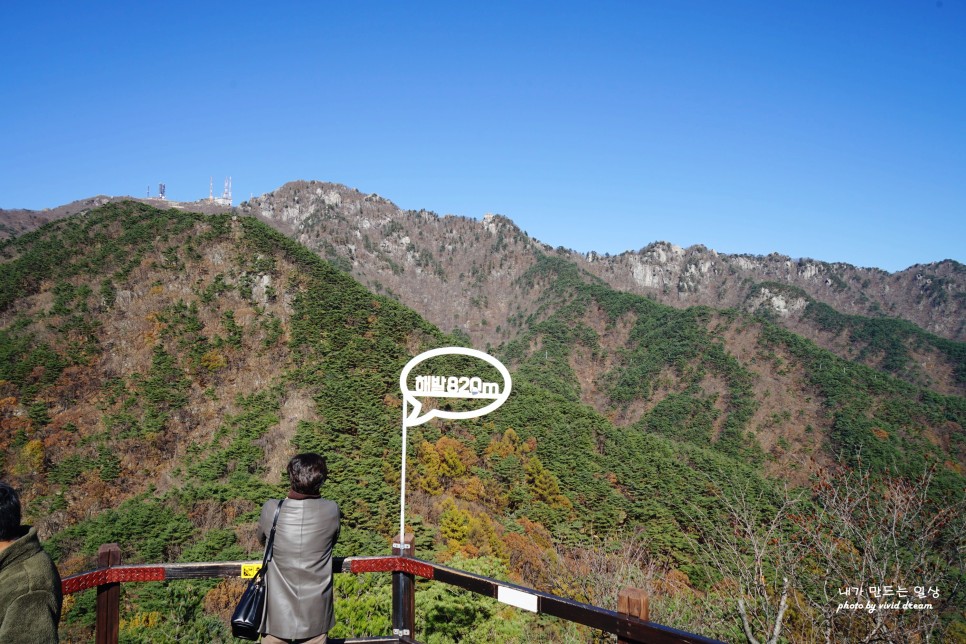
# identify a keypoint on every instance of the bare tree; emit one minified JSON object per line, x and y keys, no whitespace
{"x":875,"y":542}
{"x":865,"y":558}
{"x":596,"y":575}
{"x":750,"y":543}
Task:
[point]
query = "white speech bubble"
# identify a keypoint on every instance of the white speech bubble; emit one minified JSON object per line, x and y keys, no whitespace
{"x":467,"y":387}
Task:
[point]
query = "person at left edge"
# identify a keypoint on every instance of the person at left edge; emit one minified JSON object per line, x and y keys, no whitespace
{"x":30,"y":594}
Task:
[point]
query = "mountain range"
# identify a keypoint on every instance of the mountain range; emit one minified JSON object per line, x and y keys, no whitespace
{"x":465,"y":275}
{"x":158,"y":367}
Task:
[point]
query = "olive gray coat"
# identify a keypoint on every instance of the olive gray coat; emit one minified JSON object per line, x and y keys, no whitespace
{"x":298,"y":579}
{"x":30,"y":596}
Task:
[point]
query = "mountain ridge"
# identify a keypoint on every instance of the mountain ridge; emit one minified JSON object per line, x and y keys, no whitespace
{"x":159,"y":366}
{"x":655,"y":269}
{"x":462,"y":275}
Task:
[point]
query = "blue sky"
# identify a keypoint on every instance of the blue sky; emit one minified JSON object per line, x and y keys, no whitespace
{"x":832,"y":130}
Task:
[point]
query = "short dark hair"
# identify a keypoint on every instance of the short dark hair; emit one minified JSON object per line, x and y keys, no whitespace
{"x":9,"y":513}
{"x":307,"y":472}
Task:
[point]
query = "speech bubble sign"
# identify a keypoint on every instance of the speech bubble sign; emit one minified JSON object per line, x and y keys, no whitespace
{"x":452,"y":386}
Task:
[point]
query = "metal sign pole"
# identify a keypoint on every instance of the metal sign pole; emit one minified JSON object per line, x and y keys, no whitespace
{"x":454,"y":387}
{"x":402,"y":482}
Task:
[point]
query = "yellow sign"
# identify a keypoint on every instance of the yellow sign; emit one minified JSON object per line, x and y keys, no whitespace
{"x":249,"y":570}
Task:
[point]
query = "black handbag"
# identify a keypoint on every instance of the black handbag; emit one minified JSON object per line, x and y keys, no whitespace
{"x":247,"y":618}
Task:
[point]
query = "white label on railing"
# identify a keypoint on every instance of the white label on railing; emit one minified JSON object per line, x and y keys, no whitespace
{"x":517,"y":598}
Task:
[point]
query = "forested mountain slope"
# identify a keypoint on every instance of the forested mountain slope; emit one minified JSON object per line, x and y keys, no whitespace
{"x":18,"y":221}
{"x":744,"y":385}
{"x":158,"y":369}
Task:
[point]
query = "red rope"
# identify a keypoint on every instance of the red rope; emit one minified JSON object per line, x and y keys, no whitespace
{"x":391,"y":564}
{"x":94,"y":578}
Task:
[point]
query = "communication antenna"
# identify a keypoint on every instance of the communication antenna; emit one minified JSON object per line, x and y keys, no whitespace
{"x":161,"y":187}
{"x":211,"y":187}
{"x":149,"y":192}
{"x":227,"y":194}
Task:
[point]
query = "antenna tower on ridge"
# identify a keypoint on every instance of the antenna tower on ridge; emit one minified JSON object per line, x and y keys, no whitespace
{"x":225,"y":198}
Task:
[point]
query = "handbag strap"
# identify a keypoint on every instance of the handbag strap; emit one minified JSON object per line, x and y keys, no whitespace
{"x":271,"y":537}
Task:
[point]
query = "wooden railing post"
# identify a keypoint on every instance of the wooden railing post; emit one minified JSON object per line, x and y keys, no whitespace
{"x":404,"y":593}
{"x":108,"y":598}
{"x":633,"y":603}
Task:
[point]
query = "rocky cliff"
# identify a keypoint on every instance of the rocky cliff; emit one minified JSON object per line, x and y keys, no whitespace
{"x":465,"y":276}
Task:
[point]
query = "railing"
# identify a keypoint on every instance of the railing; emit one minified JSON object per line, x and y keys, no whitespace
{"x":630,"y":623}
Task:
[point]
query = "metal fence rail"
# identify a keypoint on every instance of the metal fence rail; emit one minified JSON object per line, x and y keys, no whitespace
{"x":630,"y":624}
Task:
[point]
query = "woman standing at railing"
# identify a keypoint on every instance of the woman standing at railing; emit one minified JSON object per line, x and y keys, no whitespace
{"x":298,"y":606}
